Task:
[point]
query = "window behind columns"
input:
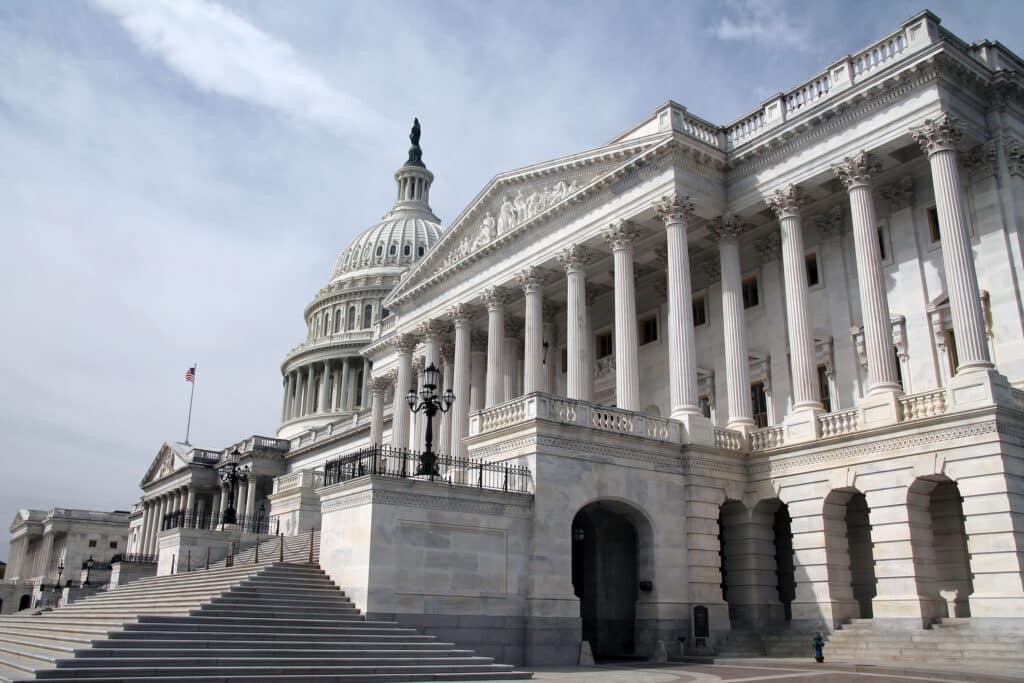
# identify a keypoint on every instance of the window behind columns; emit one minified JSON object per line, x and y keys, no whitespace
{"x":605,"y":345}
{"x":759,"y":404}
{"x":899,"y":367}
{"x":934,"y":233}
{"x":649,"y":329}
{"x":951,"y":354}
{"x":823,"y":388}
{"x":705,"y":405}
{"x":813,"y":272}
{"x":700,"y":310}
{"x":751,"y":295}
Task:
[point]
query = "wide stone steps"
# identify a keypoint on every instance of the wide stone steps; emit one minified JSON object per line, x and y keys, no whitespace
{"x":266,"y":622}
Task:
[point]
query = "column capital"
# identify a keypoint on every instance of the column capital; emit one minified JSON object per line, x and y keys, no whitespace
{"x":727,"y":227}
{"x":857,"y":171}
{"x":446,"y":353}
{"x":478,"y":341}
{"x":575,"y":258}
{"x":405,"y":343}
{"x":711,"y":267}
{"x":621,"y":234}
{"x":380,"y":383}
{"x":769,"y":246}
{"x":531,"y":279}
{"x":460,"y":314}
{"x":785,"y":202}
{"x":675,"y":208}
{"x":830,"y":223}
{"x":513,"y":328}
{"x":418,"y":364}
{"x":899,"y":195}
{"x":940,"y":134}
{"x":495,"y":298}
{"x":431,"y":328}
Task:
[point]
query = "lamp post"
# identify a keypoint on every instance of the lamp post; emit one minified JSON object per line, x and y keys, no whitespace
{"x":88,"y":569}
{"x":430,"y":403}
{"x":60,"y":572}
{"x":231,"y":474}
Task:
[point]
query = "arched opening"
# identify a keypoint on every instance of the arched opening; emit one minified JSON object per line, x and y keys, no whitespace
{"x":350,"y":323}
{"x":942,"y":564}
{"x":367,"y":316}
{"x":850,"y":553}
{"x":612,"y":563}
{"x":785,"y":570}
{"x":25,"y":602}
{"x":420,"y":251}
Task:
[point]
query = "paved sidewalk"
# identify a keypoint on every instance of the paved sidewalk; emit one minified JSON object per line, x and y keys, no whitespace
{"x":766,"y":670}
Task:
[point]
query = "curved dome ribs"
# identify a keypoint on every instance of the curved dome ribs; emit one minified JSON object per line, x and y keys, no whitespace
{"x":326,"y":376}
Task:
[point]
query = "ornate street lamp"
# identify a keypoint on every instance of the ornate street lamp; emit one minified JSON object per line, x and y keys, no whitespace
{"x":88,"y":569}
{"x":60,"y":572}
{"x":231,"y":474}
{"x":430,"y":403}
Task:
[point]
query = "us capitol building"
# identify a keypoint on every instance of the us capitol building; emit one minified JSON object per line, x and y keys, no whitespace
{"x":707,"y":380}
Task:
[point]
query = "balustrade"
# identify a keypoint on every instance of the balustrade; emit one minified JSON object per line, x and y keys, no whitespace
{"x":923,"y":405}
{"x":839,"y":423}
{"x":728,"y":440}
{"x":769,"y":437}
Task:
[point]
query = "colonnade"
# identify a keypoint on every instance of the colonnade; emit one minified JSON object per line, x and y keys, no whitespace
{"x":324,"y":387}
{"x":503,"y":381}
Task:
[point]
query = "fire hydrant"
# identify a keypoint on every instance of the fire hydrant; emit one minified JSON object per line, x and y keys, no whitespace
{"x":819,"y":647}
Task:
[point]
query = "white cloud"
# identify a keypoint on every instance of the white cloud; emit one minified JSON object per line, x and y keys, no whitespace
{"x":761,"y":21}
{"x":221,"y":52}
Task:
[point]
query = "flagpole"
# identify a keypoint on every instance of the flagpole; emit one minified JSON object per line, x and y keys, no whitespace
{"x":188,"y":427}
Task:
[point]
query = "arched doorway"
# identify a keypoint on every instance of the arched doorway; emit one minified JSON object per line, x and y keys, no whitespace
{"x":25,"y":602}
{"x":611,"y":547}
{"x":850,"y":553}
{"x":941,"y":561}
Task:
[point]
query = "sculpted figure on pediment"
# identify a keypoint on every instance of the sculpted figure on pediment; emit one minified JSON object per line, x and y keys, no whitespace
{"x":520,"y":204}
{"x":506,"y":216}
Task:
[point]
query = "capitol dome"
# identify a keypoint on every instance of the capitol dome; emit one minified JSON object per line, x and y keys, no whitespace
{"x":325,"y":377}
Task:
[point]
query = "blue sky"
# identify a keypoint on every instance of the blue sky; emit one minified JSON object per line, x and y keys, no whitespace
{"x":177,"y":177}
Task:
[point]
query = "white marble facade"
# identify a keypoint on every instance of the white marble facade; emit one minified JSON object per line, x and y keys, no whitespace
{"x":769,"y":371}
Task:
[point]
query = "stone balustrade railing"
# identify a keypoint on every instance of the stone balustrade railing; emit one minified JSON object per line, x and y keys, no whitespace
{"x":728,"y":440}
{"x":352,"y":336}
{"x":571,"y":412}
{"x":922,"y":405}
{"x":839,"y":423}
{"x":768,"y":437}
{"x":302,"y":479}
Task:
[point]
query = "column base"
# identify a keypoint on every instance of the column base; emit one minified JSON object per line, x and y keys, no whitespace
{"x":743,"y":425}
{"x":802,"y":424}
{"x":880,"y":407}
{"x":974,"y":387}
{"x":697,"y":429}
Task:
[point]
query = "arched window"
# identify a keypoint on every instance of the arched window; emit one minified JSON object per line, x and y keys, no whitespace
{"x":350,"y":324}
{"x":316,"y":326}
{"x":406,"y":250}
{"x":419,"y":251}
{"x":337,"y":320}
{"x":367,"y":315}
{"x":327,"y":322}
{"x":392,"y":250}
{"x":380,"y":249}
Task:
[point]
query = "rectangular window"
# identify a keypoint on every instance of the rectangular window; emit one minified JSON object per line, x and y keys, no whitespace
{"x":700,"y":310}
{"x":933,"y":225}
{"x":565,"y":361}
{"x":823,"y":388}
{"x":759,"y":404}
{"x":751,"y":296}
{"x":899,"y":367}
{"x":954,"y":359}
{"x":811,"y":263}
{"x":92,"y":543}
{"x":605,"y":346}
{"x":705,"y":406}
{"x":649,"y":330}
{"x":882,"y":251}
{"x":113,"y":545}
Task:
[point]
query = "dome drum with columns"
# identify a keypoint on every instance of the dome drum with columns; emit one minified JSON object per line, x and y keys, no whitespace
{"x":325,"y":377}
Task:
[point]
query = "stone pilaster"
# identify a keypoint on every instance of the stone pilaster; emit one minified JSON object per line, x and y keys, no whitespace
{"x":404,"y":346}
{"x":511,"y":376}
{"x":532,"y":283}
{"x":574,"y":260}
{"x":676,"y":211}
{"x":310,"y":390}
{"x":478,"y":372}
{"x":802,"y":424}
{"x":346,"y":372}
{"x":938,"y":138}
{"x":447,"y":352}
{"x":726,"y":231}
{"x":855,"y":173}
{"x":620,"y":236}
{"x":321,"y":403}
{"x":495,"y":299}
{"x":378,"y":387}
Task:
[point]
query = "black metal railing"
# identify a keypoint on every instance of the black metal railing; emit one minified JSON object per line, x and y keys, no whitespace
{"x":256,"y":524}
{"x":136,"y":558}
{"x":402,"y":463}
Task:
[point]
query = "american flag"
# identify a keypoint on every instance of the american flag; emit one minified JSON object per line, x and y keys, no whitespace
{"x":190,"y":374}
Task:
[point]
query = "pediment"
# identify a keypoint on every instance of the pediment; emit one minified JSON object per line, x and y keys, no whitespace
{"x":170,"y":458}
{"x":515,"y":198}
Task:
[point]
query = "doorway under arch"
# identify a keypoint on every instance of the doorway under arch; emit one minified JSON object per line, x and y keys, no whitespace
{"x":850,"y":553}
{"x":611,"y":555}
{"x":941,"y":560}
{"x":25,"y":602}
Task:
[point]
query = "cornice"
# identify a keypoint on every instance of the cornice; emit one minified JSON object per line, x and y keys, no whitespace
{"x":520,"y":507}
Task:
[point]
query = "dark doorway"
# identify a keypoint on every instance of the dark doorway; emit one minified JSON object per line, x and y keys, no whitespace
{"x":25,"y":602}
{"x":862,"y":554}
{"x":604,"y":577}
{"x":784,"y":569}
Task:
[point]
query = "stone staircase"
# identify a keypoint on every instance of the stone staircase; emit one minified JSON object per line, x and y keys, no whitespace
{"x":782,"y":643}
{"x":266,"y":621}
{"x":949,"y":643}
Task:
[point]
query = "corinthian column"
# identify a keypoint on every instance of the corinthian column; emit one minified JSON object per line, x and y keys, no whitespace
{"x":310,"y":390}
{"x":404,"y":346}
{"x":495,"y":300}
{"x":378,"y":387}
{"x":676,"y":211}
{"x":429,"y":331}
{"x":938,"y":139}
{"x":478,"y":371}
{"x":620,"y":236}
{"x":855,"y":173}
{"x":444,"y":439}
{"x":322,"y":406}
{"x":786,"y":206}
{"x":726,"y":231}
{"x":574,"y":260}
{"x":461,"y":318}
{"x":533,"y":340}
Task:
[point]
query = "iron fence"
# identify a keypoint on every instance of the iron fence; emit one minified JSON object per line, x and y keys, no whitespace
{"x":402,"y":463}
{"x":259,"y":523}
{"x":136,"y":558}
